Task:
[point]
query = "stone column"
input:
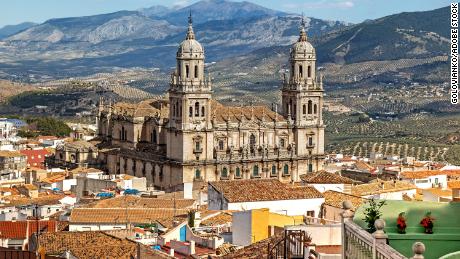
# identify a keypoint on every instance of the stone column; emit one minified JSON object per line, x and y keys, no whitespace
{"x":379,"y":234}
{"x":346,"y":215}
{"x":418,"y":248}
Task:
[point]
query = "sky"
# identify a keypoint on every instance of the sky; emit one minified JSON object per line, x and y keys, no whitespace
{"x":17,"y":11}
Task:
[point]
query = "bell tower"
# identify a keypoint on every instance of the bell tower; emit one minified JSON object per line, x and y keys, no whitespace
{"x":190,"y":91}
{"x":302,"y":101}
{"x":190,"y":97}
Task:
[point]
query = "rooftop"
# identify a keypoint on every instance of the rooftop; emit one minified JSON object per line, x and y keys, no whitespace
{"x":439,"y":192}
{"x":139,"y":202}
{"x":323,"y":177}
{"x":336,"y":199}
{"x":18,"y":229}
{"x":263,"y":190}
{"x":4,"y":153}
{"x":380,"y":186}
{"x":127,"y":215}
{"x":453,"y":184}
{"x":421,"y":174}
{"x":236,"y":114}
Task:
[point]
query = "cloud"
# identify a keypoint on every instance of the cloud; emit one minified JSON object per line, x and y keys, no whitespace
{"x":181,"y":3}
{"x":323,"y":4}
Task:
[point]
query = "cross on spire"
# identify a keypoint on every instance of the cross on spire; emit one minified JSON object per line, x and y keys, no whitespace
{"x":190,"y":33}
{"x":303,"y":34}
{"x":190,"y":21}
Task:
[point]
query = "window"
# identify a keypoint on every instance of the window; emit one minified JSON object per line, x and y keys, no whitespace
{"x":310,"y":168}
{"x":202,"y":111}
{"x":252,"y":140}
{"x":315,"y":109}
{"x":177,"y":108}
{"x":310,"y":141}
{"x":311,"y":213}
{"x":282,"y":143}
{"x":273,"y":170}
{"x":224,"y":173}
{"x":190,"y":112}
{"x":436,"y":180}
{"x":197,"y":146}
{"x":196,"y":71}
{"x":309,"y":71}
{"x":197,"y":174}
{"x":255,"y":171}
{"x":286,"y":170}
{"x":304,"y":109}
{"x":154,"y":136}
{"x":300,"y":71}
{"x":186,"y":71}
{"x":197,"y":109}
{"x":174,"y":109}
{"x":237,"y":172}
{"x":221,"y":145}
{"x":310,"y":104}
{"x":161,"y":174}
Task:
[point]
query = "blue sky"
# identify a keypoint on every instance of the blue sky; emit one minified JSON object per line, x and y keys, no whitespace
{"x":17,"y":11}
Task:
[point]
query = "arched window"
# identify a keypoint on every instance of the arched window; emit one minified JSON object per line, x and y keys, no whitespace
{"x":286,"y":170}
{"x":310,"y":104}
{"x":174,"y":109}
{"x":315,"y":109}
{"x":123,"y":133}
{"x":282,"y":142}
{"x":310,"y":168}
{"x":255,"y":171}
{"x":300,"y":71}
{"x":309,"y":71}
{"x":273,"y":170}
{"x":154,"y":136}
{"x":197,"y":109}
{"x":221,"y":145}
{"x":237,"y":172}
{"x":177,"y":108}
{"x":202,"y":111}
{"x":180,"y":110}
{"x":196,"y":71}
{"x":190,"y":111}
{"x":252,"y":140}
{"x":224,"y":173}
{"x":187,"y":71}
{"x":304,"y":109}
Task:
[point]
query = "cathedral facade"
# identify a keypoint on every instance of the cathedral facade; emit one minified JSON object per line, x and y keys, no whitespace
{"x":190,"y":137}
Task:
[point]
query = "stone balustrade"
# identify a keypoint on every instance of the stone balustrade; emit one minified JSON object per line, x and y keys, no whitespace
{"x":357,"y":243}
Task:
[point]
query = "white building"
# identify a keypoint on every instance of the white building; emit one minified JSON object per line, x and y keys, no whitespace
{"x":324,"y":181}
{"x":426,"y":179}
{"x":264,"y":193}
{"x":388,"y":190}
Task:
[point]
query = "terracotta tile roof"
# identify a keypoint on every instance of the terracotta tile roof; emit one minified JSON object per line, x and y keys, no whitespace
{"x":85,"y":170}
{"x":140,"y":202}
{"x":421,"y":174}
{"x":120,"y":215}
{"x":440,"y":192}
{"x":235,"y":114}
{"x":142,"y":109}
{"x":257,"y":250}
{"x":54,"y":178}
{"x":18,"y":229}
{"x":325,"y":178}
{"x":453,"y":184}
{"x":4,"y":153}
{"x":364,"y":166}
{"x":219,"y":219}
{"x":263,"y":190}
{"x":42,"y":199}
{"x":336,"y":199}
{"x":381,"y":187}
{"x":88,"y":245}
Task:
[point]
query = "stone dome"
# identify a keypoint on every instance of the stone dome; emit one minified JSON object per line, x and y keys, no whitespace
{"x":190,"y":45}
{"x":302,"y":46}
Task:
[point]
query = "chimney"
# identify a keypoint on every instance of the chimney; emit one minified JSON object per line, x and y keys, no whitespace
{"x":192,"y":247}
{"x":171,"y":252}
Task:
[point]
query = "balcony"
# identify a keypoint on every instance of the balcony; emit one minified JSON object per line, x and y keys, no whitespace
{"x":197,"y":151}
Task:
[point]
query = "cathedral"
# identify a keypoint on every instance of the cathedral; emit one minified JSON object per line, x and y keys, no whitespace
{"x":190,"y":137}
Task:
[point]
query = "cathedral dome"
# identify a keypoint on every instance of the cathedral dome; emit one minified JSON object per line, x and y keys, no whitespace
{"x":190,"y":45}
{"x":302,"y":46}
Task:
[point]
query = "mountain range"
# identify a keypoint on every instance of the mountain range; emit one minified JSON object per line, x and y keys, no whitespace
{"x":241,"y":32}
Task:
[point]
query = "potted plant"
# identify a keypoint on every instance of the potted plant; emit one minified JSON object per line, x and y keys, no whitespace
{"x":427,"y":223}
{"x":401,"y":223}
{"x":372,"y":213}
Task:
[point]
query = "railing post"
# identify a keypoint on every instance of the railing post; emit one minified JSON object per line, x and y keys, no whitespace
{"x":379,"y":236}
{"x":418,"y":248}
{"x":346,"y":215}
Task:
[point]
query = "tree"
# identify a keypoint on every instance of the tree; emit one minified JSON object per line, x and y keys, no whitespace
{"x":372,"y":213}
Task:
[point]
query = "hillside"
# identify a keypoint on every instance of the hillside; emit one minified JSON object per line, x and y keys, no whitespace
{"x":75,"y":46}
